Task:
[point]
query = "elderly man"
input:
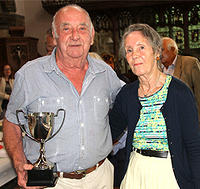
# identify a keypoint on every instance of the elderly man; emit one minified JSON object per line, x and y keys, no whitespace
{"x":85,"y":87}
{"x":185,"y":68}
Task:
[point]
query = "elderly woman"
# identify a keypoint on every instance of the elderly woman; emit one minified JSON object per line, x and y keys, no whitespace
{"x":6,"y":85}
{"x":163,"y":141}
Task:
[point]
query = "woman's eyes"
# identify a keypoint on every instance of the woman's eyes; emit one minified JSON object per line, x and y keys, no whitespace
{"x":137,"y":49}
{"x":142,"y":47}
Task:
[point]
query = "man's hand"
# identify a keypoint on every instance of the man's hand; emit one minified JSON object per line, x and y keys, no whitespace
{"x":22,"y":173}
{"x":15,"y":151}
{"x":22,"y":176}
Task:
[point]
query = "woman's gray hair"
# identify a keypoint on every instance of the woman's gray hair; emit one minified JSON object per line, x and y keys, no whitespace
{"x":65,"y":7}
{"x":148,"y":32}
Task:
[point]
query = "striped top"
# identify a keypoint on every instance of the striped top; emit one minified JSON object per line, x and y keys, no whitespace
{"x":150,"y":132}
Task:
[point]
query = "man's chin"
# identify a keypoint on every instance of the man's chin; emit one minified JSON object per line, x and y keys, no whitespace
{"x":75,"y":55}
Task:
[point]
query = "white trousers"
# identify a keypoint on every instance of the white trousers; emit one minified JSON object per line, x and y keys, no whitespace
{"x":101,"y":178}
{"x":146,"y":172}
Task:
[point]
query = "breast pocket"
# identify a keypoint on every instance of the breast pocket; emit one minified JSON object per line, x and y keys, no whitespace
{"x":101,"y":107}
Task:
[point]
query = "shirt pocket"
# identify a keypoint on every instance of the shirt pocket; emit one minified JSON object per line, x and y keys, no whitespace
{"x":49,"y":105}
{"x":101,"y":107}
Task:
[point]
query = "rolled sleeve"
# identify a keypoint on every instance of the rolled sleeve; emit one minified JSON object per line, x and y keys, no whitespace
{"x":17,"y":98}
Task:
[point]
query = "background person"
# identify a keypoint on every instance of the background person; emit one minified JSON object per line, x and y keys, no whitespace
{"x":87,"y":87}
{"x":185,"y":68}
{"x":49,"y":41}
{"x":159,"y":111}
{"x":6,"y":85}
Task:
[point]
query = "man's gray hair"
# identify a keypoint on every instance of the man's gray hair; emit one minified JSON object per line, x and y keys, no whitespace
{"x":65,"y":7}
{"x":171,"y":43}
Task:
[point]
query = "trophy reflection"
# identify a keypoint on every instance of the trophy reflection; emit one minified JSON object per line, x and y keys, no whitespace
{"x":41,"y":127}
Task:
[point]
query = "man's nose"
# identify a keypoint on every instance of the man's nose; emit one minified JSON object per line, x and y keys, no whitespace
{"x":75,"y":34}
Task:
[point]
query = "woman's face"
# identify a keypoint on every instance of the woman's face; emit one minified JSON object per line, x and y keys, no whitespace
{"x":139,"y":54}
{"x":7,"y":70}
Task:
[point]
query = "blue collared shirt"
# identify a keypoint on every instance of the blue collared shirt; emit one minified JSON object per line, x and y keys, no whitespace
{"x":85,"y":137}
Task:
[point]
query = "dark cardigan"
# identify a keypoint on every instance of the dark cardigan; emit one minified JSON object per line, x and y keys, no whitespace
{"x":181,"y":118}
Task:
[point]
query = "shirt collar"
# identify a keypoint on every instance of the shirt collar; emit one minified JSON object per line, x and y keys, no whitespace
{"x":172,"y":65}
{"x":50,"y":64}
{"x":174,"y":62}
{"x":94,"y":66}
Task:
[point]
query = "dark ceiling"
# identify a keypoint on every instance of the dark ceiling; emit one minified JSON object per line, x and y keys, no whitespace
{"x":51,"y":6}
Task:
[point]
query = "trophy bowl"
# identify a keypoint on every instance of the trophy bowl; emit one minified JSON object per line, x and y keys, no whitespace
{"x":41,"y":129}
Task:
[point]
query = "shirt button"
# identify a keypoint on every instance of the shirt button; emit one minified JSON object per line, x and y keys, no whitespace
{"x":76,"y":164}
{"x":81,"y":101}
{"x":82,"y":124}
{"x":82,"y":148}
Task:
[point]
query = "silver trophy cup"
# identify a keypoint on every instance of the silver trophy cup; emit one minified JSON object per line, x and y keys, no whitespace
{"x":41,"y":129}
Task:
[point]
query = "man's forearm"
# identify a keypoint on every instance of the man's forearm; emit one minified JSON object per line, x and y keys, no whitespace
{"x":12,"y":139}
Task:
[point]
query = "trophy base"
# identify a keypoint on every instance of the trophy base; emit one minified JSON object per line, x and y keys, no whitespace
{"x":41,"y":178}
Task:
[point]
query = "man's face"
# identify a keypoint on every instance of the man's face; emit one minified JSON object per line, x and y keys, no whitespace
{"x":74,"y":33}
{"x":167,"y":55}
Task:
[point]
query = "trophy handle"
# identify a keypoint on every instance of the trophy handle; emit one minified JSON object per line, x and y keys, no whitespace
{"x":22,"y":126}
{"x":61,"y":123}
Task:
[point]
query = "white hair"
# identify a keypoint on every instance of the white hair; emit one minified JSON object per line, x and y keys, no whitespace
{"x":171,"y":43}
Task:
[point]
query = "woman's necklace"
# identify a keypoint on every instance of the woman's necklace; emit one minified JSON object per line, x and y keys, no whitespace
{"x":150,"y":91}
